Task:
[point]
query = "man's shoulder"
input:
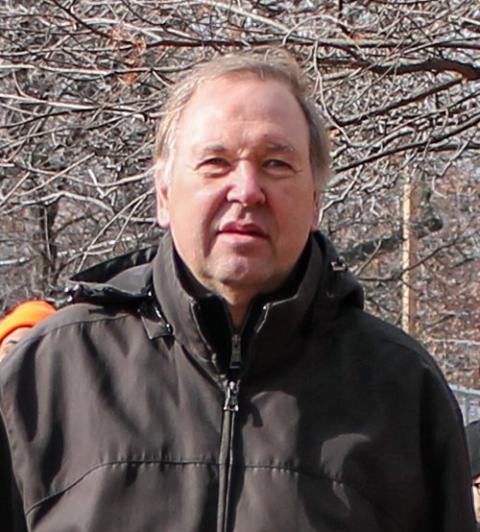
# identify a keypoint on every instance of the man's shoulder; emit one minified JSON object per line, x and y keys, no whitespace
{"x":107,"y":292}
{"x":53,"y":342}
{"x":72,"y":318}
{"x":111,"y":303}
{"x":84,"y":312}
{"x":381,"y":330}
{"x":380,"y":340}
{"x":390,"y":359}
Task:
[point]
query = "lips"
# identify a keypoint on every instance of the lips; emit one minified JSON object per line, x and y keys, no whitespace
{"x":246,"y":229}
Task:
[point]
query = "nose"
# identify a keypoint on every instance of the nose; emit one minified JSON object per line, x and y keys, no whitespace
{"x":245,"y":186}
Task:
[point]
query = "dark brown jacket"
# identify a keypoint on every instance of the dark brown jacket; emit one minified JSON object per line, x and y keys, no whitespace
{"x":138,"y":410}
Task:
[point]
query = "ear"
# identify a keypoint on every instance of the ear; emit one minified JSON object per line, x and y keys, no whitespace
{"x":161,"y":194}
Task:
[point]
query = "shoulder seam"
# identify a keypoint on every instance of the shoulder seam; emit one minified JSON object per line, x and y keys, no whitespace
{"x":36,"y":337}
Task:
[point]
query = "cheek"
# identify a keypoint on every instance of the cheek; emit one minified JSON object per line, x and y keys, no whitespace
{"x":209,"y":204}
{"x":193,"y":214}
{"x":297,"y":215}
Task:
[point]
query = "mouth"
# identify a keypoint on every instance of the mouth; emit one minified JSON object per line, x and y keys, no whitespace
{"x":245,"y":230}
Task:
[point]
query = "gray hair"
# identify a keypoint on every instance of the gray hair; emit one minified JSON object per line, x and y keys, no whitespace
{"x":274,"y":64}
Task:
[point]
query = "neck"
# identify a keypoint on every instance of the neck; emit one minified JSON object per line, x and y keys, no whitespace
{"x":237,"y":306}
{"x":237,"y":315}
{"x":239,"y":298}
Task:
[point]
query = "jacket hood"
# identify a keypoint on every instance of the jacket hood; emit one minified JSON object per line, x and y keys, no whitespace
{"x":337,"y":286}
{"x":126,"y":278}
{"x":129,"y":278}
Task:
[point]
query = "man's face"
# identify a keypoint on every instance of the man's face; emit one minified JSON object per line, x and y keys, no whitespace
{"x":240,"y":201}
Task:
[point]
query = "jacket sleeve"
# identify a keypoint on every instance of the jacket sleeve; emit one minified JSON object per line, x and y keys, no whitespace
{"x":446,"y":462}
{"x":12,"y":517}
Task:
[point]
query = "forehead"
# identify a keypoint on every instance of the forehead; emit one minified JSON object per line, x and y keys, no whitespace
{"x":227,"y":104}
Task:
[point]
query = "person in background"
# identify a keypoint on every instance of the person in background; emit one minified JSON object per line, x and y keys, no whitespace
{"x":473,"y":442}
{"x":20,"y":320}
{"x":229,"y":380}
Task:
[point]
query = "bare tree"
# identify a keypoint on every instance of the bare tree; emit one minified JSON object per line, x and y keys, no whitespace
{"x":82,"y":85}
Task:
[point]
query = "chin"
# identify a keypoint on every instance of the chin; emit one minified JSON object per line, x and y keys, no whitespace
{"x":251,"y":277}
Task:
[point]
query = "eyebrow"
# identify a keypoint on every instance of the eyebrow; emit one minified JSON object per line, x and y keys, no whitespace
{"x":279,"y":147}
{"x":210,"y":148}
{"x":271,"y":147}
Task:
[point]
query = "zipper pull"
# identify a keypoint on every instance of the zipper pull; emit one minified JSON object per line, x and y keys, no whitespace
{"x":231,"y":396}
{"x":236,"y":354}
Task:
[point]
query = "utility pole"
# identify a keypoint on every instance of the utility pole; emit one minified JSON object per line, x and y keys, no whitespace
{"x":409,"y":248}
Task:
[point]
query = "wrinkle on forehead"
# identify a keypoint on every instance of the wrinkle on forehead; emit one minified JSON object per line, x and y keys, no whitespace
{"x":245,"y":116}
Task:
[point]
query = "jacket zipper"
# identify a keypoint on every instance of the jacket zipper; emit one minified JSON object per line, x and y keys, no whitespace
{"x":230,"y":409}
{"x":236,"y":355}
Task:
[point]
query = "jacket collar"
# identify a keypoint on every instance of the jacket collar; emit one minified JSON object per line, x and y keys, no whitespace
{"x":201,"y":323}
{"x":149,"y":282}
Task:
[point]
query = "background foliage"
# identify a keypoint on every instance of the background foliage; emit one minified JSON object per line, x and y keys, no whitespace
{"x":81,"y":89}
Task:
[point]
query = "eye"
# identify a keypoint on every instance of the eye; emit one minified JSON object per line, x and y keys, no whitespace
{"x":214,"y":165}
{"x":278,"y":166}
{"x":215,"y":161}
{"x":276,"y":163}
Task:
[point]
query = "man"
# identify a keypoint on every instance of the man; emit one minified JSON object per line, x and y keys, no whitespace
{"x":230,"y":381}
{"x":473,"y":444}
{"x":16,"y":323}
